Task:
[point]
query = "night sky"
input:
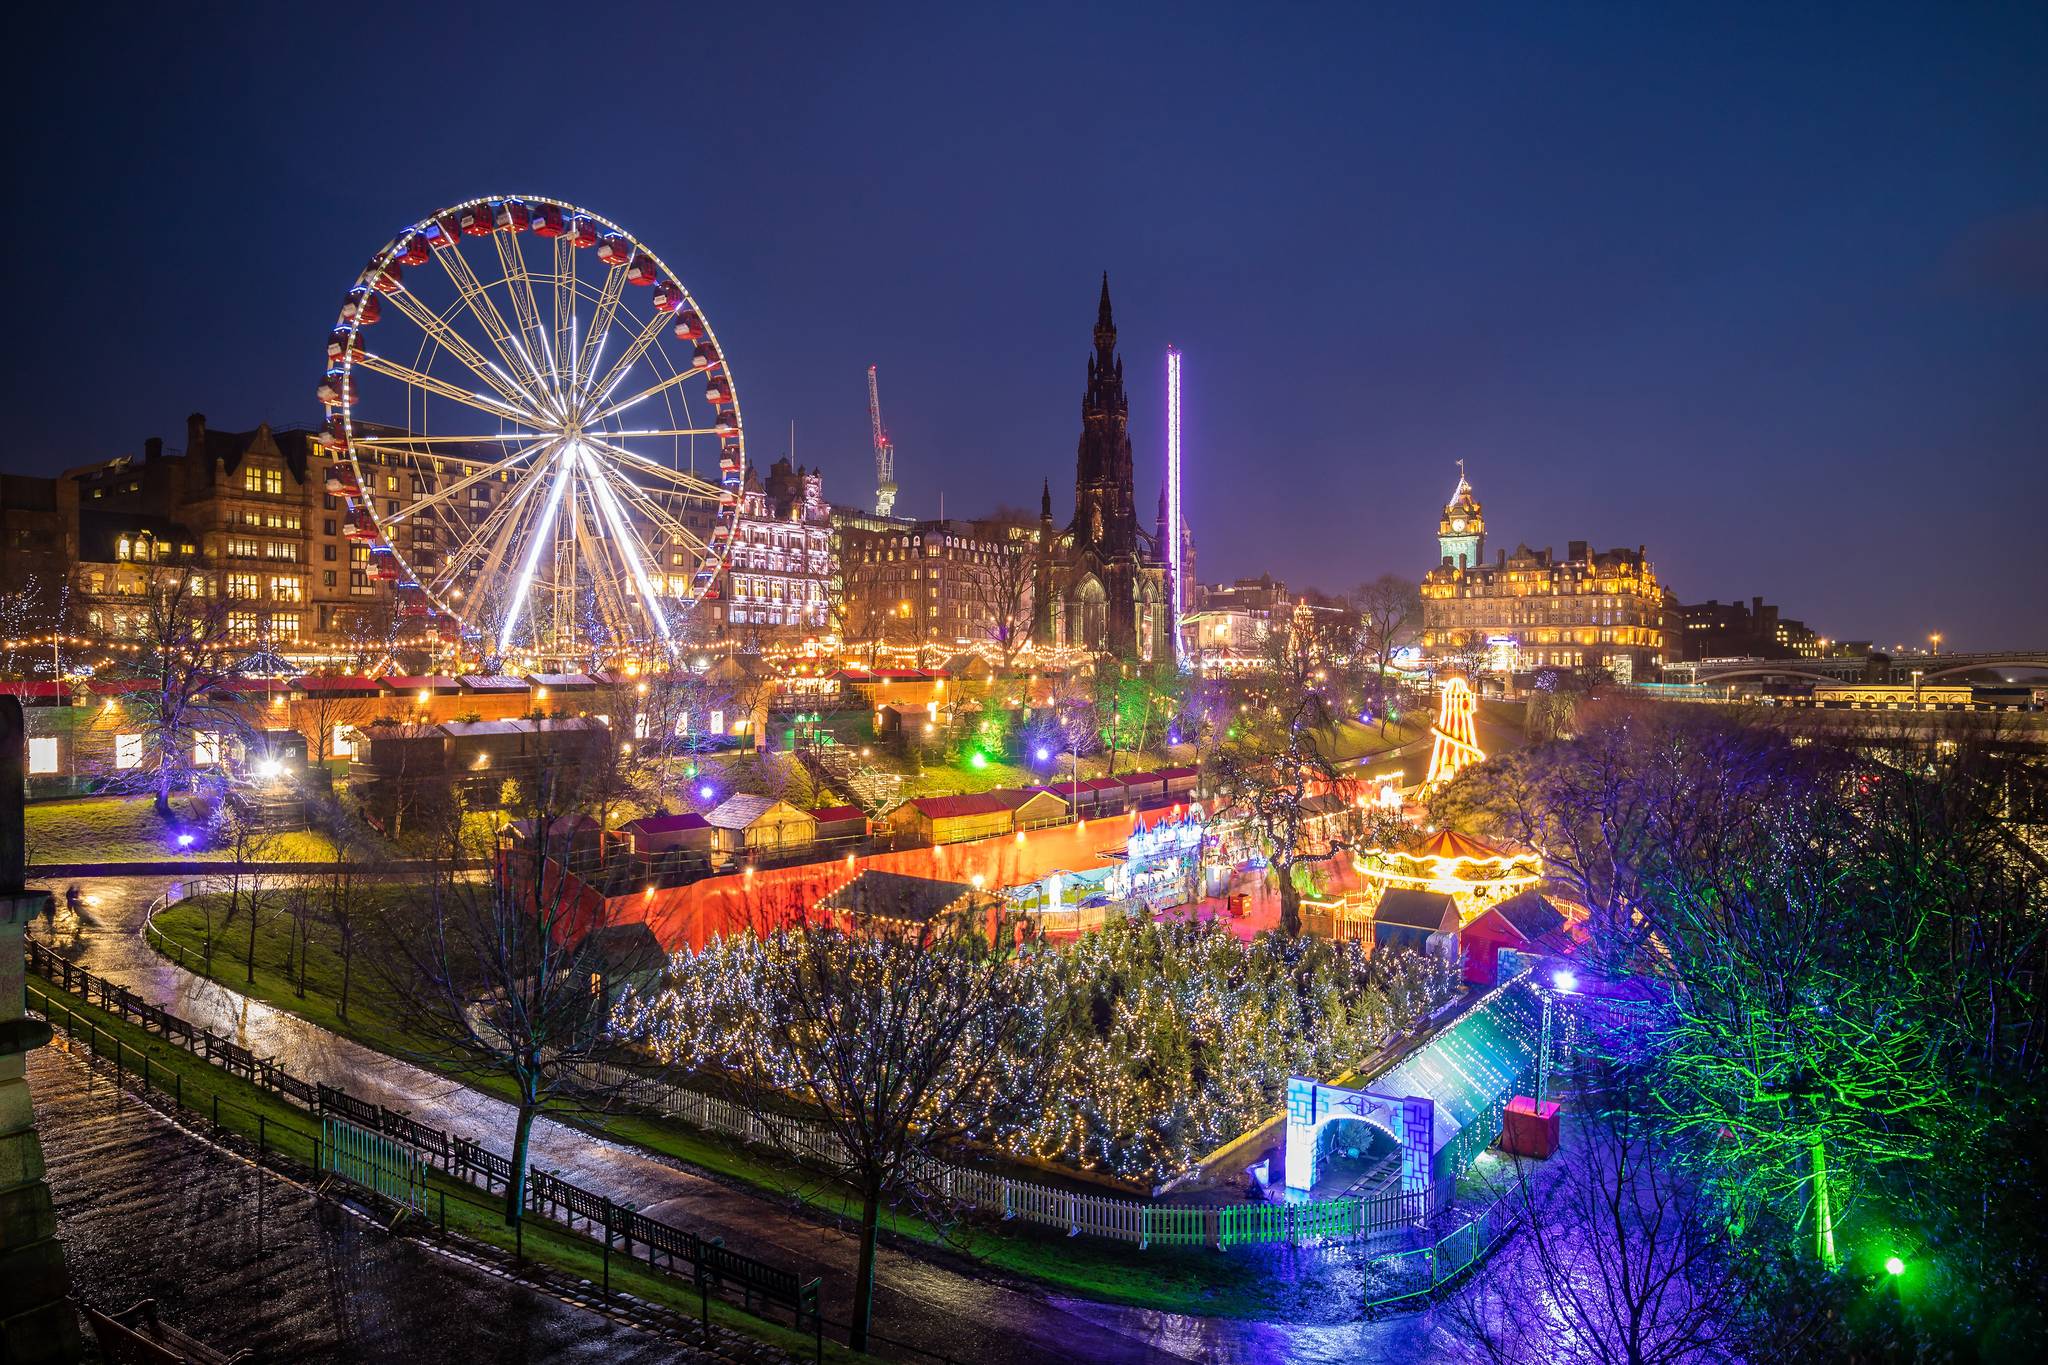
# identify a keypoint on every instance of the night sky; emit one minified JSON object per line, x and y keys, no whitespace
{"x":1766,"y":291}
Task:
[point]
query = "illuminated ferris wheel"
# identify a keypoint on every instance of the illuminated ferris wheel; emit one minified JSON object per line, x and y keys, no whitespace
{"x":542,"y":436}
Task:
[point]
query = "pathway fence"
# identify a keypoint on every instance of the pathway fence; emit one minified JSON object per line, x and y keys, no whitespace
{"x":368,"y":1132}
{"x":1138,"y":1222}
{"x":1405,"y":1276}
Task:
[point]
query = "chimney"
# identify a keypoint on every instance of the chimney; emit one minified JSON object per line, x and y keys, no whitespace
{"x":153,"y":449}
{"x":195,"y":434}
{"x":1575,"y":549}
{"x":1503,"y":557}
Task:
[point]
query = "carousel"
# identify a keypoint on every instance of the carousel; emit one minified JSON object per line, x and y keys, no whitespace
{"x":1471,"y":871}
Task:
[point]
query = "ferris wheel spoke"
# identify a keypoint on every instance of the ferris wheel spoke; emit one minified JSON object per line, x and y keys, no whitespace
{"x":419,"y":379}
{"x":613,"y":409}
{"x":433,"y":500}
{"x":540,"y":541}
{"x":652,"y":510}
{"x":406,"y":442}
{"x":616,"y":375}
{"x":629,"y":546}
{"x":491,"y":320}
{"x":457,"y":345}
{"x":493,"y":530}
{"x":592,"y":344}
{"x":688,"y":483}
{"x":524,"y":307}
{"x":606,"y":581}
{"x":662,"y":431}
{"x":565,"y":306}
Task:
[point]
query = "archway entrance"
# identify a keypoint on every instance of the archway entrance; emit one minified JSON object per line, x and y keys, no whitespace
{"x":1355,"y":1158}
{"x":1314,"y":1110}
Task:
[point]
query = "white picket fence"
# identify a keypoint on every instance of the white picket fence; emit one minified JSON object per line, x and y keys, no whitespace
{"x":1095,"y":1215}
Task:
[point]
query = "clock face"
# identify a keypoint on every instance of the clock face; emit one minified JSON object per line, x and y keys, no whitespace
{"x":1457,"y":523}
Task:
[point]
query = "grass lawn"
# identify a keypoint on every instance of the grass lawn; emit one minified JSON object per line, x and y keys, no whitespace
{"x":128,"y":829}
{"x":1180,"y":1280}
{"x":246,"y":1108}
{"x":1356,"y":741}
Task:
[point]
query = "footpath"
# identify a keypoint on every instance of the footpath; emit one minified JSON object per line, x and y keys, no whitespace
{"x":930,"y":1306}
{"x":263,"y":1265}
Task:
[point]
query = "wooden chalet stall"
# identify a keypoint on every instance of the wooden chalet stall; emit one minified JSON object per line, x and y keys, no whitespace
{"x":1034,"y":807}
{"x":1426,"y":921}
{"x":841,"y":824}
{"x":1097,"y":796}
{"x":950,"y":819}
{"x":760,"y":827}
{"x":1526,"y":923}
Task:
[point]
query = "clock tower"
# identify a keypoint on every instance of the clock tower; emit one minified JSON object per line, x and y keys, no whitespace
{"x":1461,"y":535}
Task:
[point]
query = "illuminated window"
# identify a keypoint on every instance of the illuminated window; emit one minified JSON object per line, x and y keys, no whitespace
{"x":206,"y":748}
{"x":127,"y":751}
{"x":42,"y":756}
{"x":344,"y":741}
{"x":286,"y":589}
{"x":284,"y":625}
{"x":242,"y":623}
{"x":244,"y":587}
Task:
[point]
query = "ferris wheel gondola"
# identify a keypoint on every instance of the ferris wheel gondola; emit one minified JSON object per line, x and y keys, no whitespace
{"x":549,"y":456}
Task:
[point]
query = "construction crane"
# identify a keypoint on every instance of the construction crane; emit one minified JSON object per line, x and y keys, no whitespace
{"x":885,"y":454}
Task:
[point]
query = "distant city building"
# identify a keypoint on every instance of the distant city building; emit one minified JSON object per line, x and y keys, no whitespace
{"x":1717,"y":630}
{"x":948,"y":582}
{"x":253,"y":507}
{"x":778,"y":580}
{"x":1532,"y":609}
{"x":1227,"y":624}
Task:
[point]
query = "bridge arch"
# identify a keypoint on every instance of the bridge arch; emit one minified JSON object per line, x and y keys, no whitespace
{"x":1764,"y":672}
{"x":1989,"y":665}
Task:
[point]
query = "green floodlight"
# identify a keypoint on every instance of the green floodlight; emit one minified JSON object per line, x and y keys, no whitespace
{"x":979,"y":760}
{"x":1894,"y":1266}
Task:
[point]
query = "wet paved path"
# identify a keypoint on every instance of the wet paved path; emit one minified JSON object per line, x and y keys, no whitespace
{"x":147,"y":1211}
{"x":967,"y":1317}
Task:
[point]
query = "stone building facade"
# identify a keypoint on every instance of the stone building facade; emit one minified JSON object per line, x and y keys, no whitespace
{"x":778,"y":578}
{"x":1534,"y":609}
{"x":251,"y":508}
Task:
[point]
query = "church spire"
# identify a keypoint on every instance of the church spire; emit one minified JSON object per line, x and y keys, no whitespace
{"x":1045,"y":502}
{"x":1105,"y":325}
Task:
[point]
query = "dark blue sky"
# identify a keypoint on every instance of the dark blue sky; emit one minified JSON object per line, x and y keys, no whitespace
{"x":1763,"y":289}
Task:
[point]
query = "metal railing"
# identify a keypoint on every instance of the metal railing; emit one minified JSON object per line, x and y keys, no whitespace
{"x":463,"y":1159}
{"x":1423,"y":1272}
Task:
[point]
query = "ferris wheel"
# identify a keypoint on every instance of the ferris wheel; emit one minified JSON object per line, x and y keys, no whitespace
{"x":541,"y":433}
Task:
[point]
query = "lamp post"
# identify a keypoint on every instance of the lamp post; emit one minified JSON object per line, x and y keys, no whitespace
{"x":1935,"y":640}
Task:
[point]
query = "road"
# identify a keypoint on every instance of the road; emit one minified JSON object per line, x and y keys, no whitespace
{"x":966,"y":1316}
{"x":148,"y":1211}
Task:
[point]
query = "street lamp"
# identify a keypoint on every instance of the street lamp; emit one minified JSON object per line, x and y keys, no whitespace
{"x":1935,"y":640}
{"x":1916,"y":688}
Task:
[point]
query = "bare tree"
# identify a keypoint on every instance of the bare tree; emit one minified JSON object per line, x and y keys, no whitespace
{"x":497,"y":977}
{"x":1275,"y":755}
{"x":861,"y":609}
{"x":1620,"y":1259}
{"x":999,"y":589}
{"x":328,"y":713}
{"x":889,"y":1036}
{"x":183,"y":653}
{"x":1389,"y":611}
